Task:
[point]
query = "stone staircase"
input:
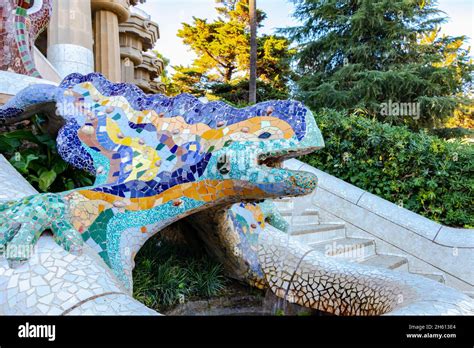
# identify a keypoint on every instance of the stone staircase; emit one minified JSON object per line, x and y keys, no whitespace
{"x":330,"y":238}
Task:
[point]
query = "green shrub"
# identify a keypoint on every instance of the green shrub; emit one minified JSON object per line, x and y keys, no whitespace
{"x":34,"y":154}
{"x":166,"y":274}
{"x":428,"y":175}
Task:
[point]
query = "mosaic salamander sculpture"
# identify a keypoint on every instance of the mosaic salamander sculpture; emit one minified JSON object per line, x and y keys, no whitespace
{"x":158,"y":160}
{"x":21,"y":21}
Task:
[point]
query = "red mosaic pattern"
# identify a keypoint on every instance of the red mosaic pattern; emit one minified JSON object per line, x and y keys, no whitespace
{"x":18,"y":32}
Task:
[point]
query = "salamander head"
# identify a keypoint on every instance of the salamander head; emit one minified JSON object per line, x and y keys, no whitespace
{"x":182,"y":140}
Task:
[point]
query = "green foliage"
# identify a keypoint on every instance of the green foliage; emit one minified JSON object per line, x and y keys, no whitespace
{"x":359,"y":54}
{"x":238,"y":10}
{"x":165,"y":79}
{"x":221,"y":46}
{"x":280,"y":312}
{"x":238,"y":93}
{"x":166,"y":274}
{"x":223,"y":50}
{"x":273,"y":61}
{"x":166,"y":62}
{"x":454,"y":133}
{"x":190,"y":80}
{"x":423,"y":173}
{"x":35,"y":156}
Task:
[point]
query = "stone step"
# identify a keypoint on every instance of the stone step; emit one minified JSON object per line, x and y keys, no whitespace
{"x":302,"y":219}
{"x":469,"y":293}
{"x":317,"y":233}
{"x":392,"y":262}
{"x":307,"y":212}
{"x":298,"y":229}
{"x":436,"y":277}
{"x":351,"y":249}
{"x":293,"y":204}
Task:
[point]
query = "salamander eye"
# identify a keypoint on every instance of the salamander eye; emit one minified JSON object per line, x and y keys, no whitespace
{"x":34,"y":6}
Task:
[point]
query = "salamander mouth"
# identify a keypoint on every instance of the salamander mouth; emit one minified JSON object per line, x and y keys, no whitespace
{"x":275,"y":159}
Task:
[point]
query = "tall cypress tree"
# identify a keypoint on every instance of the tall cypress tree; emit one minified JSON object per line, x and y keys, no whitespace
{"x":381,"y":57}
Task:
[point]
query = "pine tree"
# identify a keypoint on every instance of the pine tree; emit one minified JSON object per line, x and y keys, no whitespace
{"x":221,"y":46}
{"x":223,"y":56}
{"x":365,"y":54}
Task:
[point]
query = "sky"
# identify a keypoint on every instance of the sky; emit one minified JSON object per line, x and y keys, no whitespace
{"x":169,"y":14}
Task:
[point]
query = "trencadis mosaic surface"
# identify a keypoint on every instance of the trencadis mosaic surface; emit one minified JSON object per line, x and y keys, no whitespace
{"x":156,"y":160}
{"x":21,"y":21}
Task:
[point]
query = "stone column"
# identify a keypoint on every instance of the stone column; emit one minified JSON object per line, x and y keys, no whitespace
{"x":147,"y":72}
{"x":70,"y":37}
{"x":107,"y":16}
{"x":137,"y":35}
{"x":130,"y":53}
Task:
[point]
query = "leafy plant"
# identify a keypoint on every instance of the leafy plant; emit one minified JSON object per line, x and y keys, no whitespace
{"x":35,"y":156}
{"x":165,"y":275}
{"x":423,"y":173}
{"x":208,"y":283}
{"x":280,"y":312}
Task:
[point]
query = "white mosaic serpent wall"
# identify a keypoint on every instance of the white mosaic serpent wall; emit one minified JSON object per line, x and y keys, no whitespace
{"x":55,"y":282}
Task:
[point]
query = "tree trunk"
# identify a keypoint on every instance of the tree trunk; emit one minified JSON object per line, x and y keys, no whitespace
{"x":253,"y":52}
{"x":228,"y":74}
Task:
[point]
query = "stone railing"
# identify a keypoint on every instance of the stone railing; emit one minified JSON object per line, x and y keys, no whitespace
{"x":428,"y":245}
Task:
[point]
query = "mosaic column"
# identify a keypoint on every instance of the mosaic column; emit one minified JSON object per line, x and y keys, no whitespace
{"x":70,"y":37}
{"x":107,"y":16}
